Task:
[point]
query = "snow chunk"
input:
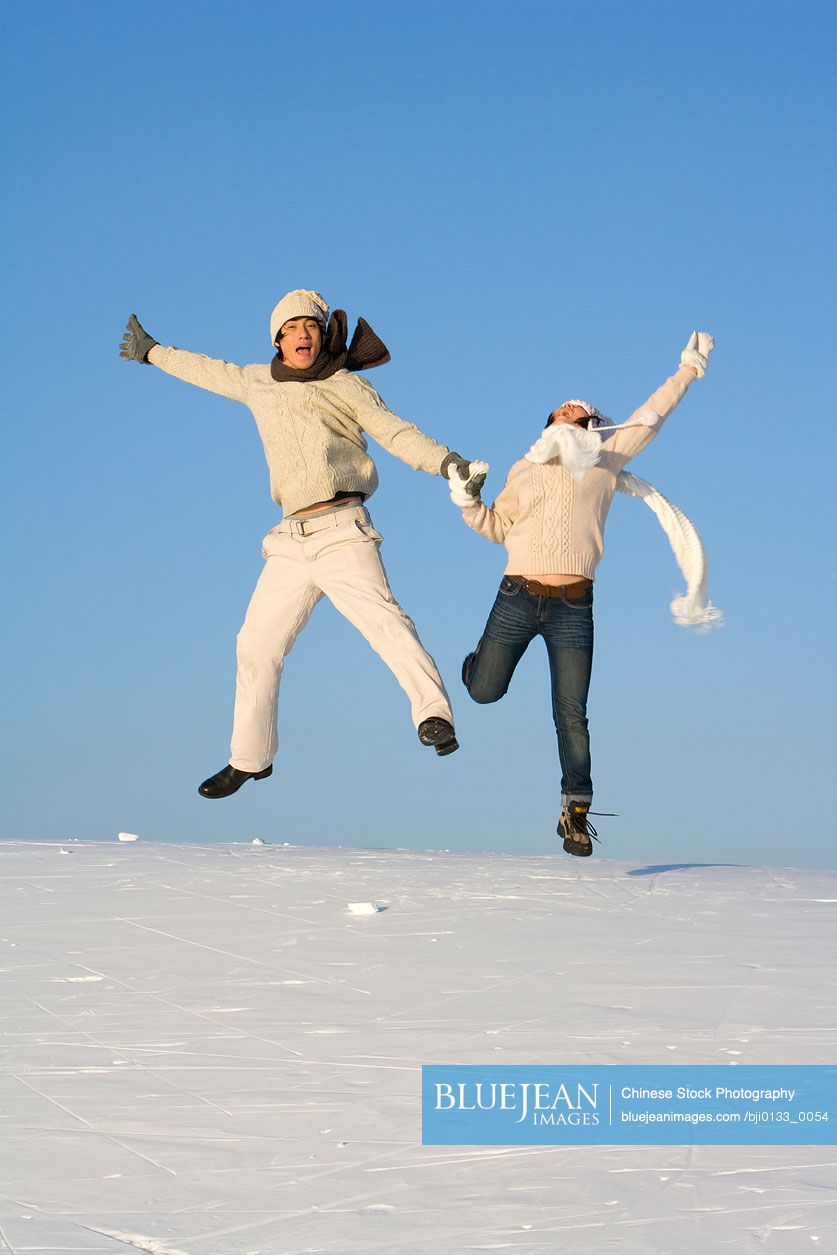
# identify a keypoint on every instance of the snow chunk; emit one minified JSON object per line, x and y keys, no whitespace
{"x":364,"y":908}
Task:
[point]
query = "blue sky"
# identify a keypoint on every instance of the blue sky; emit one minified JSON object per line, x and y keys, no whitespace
{"x":528,"y":202}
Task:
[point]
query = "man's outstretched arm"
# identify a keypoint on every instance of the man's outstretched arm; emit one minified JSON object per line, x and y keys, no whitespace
{"x":212,"y":373}
{"x":403,"y":440}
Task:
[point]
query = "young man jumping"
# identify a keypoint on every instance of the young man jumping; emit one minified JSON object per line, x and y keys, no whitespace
{"x":311,"y":410}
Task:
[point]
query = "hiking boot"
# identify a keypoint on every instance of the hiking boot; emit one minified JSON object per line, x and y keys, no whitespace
{"x":440,"y":734}
{"x":576,"y":829}
{"x":230,"y":780}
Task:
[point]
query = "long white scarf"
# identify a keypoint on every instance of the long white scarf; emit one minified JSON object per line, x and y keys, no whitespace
{"x":579,"y":450}
{"x":693,"y":608}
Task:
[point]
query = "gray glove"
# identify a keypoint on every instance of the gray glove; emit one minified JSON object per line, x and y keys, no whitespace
{"x":136,"y":342}
{"x":463,"y":469}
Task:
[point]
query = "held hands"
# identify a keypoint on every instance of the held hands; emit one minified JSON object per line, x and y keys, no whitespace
{"x":467,"y":471}
{"x":465,"y":487}
{"x":136,"y":342}
{"x":696,"y":352}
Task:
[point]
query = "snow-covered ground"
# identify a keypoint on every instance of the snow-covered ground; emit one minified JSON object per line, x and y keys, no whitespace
{"x":206,"y":1052}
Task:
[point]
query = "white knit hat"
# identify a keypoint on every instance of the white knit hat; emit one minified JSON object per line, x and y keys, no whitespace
{"x":599,"y":419}
{"x":298,"y":304}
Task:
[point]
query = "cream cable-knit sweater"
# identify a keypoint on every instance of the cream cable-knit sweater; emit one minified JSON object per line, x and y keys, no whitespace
{"x":312,"y":432}
{"x":552,"y":524}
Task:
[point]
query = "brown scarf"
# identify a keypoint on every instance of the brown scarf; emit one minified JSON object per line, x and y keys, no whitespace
{"x":365,"y":351}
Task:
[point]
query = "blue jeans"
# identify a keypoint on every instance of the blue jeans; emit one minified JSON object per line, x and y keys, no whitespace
{"x":566,"y":626}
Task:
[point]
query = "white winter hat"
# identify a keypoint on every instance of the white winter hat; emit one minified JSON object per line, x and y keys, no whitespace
{"x":599,"y":419}
{"x":298,"y":304}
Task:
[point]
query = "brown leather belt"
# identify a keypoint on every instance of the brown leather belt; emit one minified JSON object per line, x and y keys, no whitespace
{"x":573,"y":591}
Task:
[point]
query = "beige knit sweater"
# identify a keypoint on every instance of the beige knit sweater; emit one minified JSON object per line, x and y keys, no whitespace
{"x":553,"y":524}
{"x":312,"y":432}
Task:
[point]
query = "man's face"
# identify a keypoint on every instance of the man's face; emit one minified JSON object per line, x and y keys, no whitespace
{"x":300,"y":341}
{"x":572,"y":414}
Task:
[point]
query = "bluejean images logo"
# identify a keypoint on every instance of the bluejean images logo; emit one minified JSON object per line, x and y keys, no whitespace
{"x":629,"y":1105}
{"x":544,"y":1102}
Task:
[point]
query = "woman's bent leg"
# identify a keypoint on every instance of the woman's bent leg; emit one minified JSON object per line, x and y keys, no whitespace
{"x":511,"y":626}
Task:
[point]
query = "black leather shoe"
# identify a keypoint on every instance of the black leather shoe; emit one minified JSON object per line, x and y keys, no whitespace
{"x":440,"y":734}
{"x":230,"y":780}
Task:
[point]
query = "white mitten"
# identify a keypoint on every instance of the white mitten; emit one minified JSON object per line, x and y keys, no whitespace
{"x":465,"y":489}
{"x":476,"y":478}
{"x":577,"y":448}
{"x":696,"y":352}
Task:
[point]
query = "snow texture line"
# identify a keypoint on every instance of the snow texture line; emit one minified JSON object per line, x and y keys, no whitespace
{"x":286,"y":1214}
{"x":201,"y":1015}
{"x":6,"y":1244}
{"x":242,"y":958}
{"x":102,"y":1132}
{"x":250,"y":907}
{"x":100,"y":1045}
{"x":136,"y":1241}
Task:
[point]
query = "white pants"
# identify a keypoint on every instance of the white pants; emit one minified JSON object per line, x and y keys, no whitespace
{"x":333,"y":555}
